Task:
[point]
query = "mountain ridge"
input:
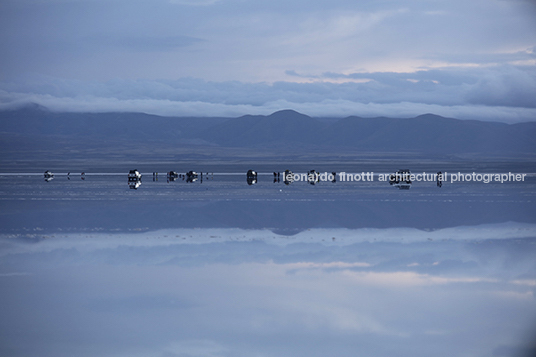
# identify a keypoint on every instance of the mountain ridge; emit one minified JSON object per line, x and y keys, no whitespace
{"x":426,"y":133}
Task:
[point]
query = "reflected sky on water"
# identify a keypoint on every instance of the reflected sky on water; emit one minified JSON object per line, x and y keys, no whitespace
{"x":222,"y":268}
{"x":104,"y":202}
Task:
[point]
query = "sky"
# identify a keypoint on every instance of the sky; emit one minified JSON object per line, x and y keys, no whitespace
{"x":471,"y":59}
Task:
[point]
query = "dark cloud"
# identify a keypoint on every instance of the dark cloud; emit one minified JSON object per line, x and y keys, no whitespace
{"x":505,"y":85}
{"x":510,"y":86}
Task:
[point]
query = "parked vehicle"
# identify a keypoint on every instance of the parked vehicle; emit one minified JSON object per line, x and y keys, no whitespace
{"x":134,"y":179}
{"x":172,"y":176}
{"x":251,"y":177}
{"x":401,"y":179}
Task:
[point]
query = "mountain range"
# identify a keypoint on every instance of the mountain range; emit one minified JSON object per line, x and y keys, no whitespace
{"x":426,"y":134}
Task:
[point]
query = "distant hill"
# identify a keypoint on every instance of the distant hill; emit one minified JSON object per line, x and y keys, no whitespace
{"x":282,"y":126}
{"x":113,"y":127}
{"x":433,"y":134}
{"x":426,"y":134}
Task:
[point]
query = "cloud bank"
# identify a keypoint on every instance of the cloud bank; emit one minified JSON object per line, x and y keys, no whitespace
{"x":497,"y":93}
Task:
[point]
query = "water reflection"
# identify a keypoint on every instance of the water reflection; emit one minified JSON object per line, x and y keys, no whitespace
{"x":313,"y":177}
{"x":288,"y":177}
{"x":439,"y":179}
{"x":102,"y":202}
{"x":134,"y":184}
{"x":192,"y":176}
{"x":91,"y":268}
{"x":251,"y":177}
{"x":48,"y":176}
{"x":172,"y":176}
{"x":397,"y":179}
{"x":134,"y":179}
{"x":401,"y":179}
{"x":232,"y":292}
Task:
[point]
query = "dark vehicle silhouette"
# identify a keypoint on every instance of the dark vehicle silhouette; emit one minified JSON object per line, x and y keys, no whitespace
{"x":288,"y":177}
{"x":401,"y":179}
{"x":251,"y":177}
{"x":134,"y":179}
{"x":191,"y":176}
{"x":49,"y":176}
{"x":172,"y":176}
{"x":313,"y":177}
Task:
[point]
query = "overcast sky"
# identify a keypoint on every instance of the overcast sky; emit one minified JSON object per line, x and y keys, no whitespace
{"x":460,"y":58}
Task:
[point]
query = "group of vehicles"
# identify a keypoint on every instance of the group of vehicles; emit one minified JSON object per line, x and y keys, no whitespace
{"x":134,"y":177}
{"x":49,"y":176}
{"x":190,"y":176}
{"x":400,"y":179}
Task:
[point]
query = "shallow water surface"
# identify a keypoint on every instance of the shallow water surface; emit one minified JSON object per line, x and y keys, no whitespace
{"x":222,"y":268}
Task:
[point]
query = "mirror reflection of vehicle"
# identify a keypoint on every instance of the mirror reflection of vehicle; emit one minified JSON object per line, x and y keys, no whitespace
{"x":172,"y":176}
{"x":134,"y":179}
{"x":288,"y":177}
{"x":277,"y":176}
{"x":191,"y":176}
{"x":251,"y":177}
{"x":134,"y":184}
{"x":312,"y":177}
{"x":49,"y":176}
{"x":401,"y":179}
